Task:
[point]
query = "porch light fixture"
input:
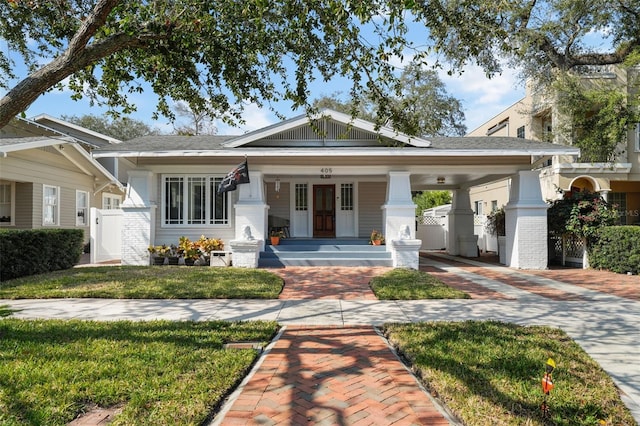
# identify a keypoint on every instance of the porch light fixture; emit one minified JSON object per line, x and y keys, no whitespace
{"x":440,"y":180}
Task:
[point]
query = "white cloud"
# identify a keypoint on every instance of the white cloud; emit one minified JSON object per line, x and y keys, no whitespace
{"x":255,"y":118}
{"x":481,"y":97}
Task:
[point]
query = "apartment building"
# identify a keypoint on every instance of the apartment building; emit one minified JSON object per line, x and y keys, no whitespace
{"x":537,"y":117}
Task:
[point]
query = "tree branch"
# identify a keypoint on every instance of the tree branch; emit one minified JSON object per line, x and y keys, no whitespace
{"x":90,"y":26}
{"x":27,"y":91}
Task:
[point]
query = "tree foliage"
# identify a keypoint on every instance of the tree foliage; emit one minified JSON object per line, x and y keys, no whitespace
{"x":218,"y":54}
{"x":422,"y":108}
{"x":598,"y":118}
{"x":120,"y":128}
{"x":428,"y":199}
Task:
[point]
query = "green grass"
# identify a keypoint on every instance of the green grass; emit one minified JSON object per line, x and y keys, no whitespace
{"x":409,"y":284}
{"x":490,"y":373}
{"x":159,"y":372}
{"x":147,"y":282}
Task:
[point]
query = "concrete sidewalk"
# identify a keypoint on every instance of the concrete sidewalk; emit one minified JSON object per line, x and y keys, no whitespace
{"x":605,"y":325}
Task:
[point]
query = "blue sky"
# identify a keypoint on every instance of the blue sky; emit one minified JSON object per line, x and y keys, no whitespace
{"x":481,"y":98}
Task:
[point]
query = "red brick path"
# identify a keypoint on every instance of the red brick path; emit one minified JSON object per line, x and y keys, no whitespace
{"x":345,"y":283}
{"x":621,"y":285}
{"x":332,"y":376}
{"x":326,"y":375}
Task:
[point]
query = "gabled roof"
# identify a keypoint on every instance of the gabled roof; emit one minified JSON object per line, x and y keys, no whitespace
{"x":73,"y":130}
{"x":327,"y":114}
{"x":343,"y":136}
{"x":68,"y":148}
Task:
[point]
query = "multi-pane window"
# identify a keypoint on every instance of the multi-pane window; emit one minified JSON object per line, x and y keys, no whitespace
{"x":619,"y":199}
{"x":6,"y":206}
{"x":494,"y":205}
{"x":110,"y":201}
{"x":82,"y":208}
{"x":346,"y":196}
{"x":219,"y":203}
{"x":196,"y":206}
{"x":194,"y":200}
{"x":50,"y":204}
{"x":520,"y":131}
{"x":301,"y":197}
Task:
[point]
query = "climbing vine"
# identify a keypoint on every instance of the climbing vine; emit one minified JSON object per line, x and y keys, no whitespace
{"x":598,"y":117}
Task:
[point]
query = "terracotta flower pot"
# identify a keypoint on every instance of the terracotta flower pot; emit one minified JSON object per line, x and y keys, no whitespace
{"x":275,"y":241}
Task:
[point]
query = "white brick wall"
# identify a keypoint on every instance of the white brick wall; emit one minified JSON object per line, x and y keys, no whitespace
{"x":136,"y":235}
{"x":530,"y":242}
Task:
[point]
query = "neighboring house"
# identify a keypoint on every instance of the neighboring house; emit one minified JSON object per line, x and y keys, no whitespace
{"x":118,"y":168}
{"x":332,"y":177}
{"x":48,"y":179}
{"x":536,"y":117}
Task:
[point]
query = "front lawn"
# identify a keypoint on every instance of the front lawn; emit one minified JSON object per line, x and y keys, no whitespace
{"x":409,"y":284}
{"x":489,"y":373}
{"x":147,"y":282}
{"x":159,"y":372}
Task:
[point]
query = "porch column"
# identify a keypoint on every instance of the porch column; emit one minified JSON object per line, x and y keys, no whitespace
{"x":526,"y":223}
{"x":251,"y":210}
{"x":461,"y":239}
{"x":399,"y":211}
{"x":138,"y":219}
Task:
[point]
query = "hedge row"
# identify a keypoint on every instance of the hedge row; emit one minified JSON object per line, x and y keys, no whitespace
{"x":36,"y":251}
{"x":617,"y":249}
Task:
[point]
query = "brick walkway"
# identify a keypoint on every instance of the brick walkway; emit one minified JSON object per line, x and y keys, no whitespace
{"x":332,"y":376}
{"x":323,"y":375}
{"x":626,"y":286}
{"x":345,"y":283}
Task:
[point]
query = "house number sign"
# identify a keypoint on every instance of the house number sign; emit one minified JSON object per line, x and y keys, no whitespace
{"x":326,"y":172}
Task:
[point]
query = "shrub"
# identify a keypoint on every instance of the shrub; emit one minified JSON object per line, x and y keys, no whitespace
{"x":36,"y":251}
{"x":581,"y":213}
{"x":617,"y":249}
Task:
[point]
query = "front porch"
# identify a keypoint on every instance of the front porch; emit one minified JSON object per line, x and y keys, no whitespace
{"x":352,"y":252}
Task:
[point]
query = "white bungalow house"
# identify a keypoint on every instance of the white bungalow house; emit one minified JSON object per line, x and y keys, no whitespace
{"x":331,"y":178}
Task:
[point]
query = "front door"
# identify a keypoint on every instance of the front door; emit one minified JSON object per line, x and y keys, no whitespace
{"x":324,"y":211}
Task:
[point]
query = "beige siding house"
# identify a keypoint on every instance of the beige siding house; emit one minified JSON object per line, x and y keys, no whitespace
{"x":327,"y":177}
{"x":536,"y":117}
{"x":48,"y":179}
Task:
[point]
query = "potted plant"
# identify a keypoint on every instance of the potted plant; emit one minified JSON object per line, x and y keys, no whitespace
{"x":276,"y":236}
{"x":188,"y":250}
{"x":376,"y":238}
{"x":159,"y":254}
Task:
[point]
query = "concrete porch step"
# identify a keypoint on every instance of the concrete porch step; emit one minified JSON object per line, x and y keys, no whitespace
{"x":324,"y":252}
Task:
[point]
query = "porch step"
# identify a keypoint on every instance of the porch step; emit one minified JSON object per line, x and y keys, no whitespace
{"x":321,"y":252}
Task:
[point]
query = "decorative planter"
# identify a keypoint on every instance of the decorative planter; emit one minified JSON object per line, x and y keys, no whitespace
{"x":159,"y":260}
{"x":376,"y":242}
{"x":173,"y":260}
{"x":275,"y":241}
